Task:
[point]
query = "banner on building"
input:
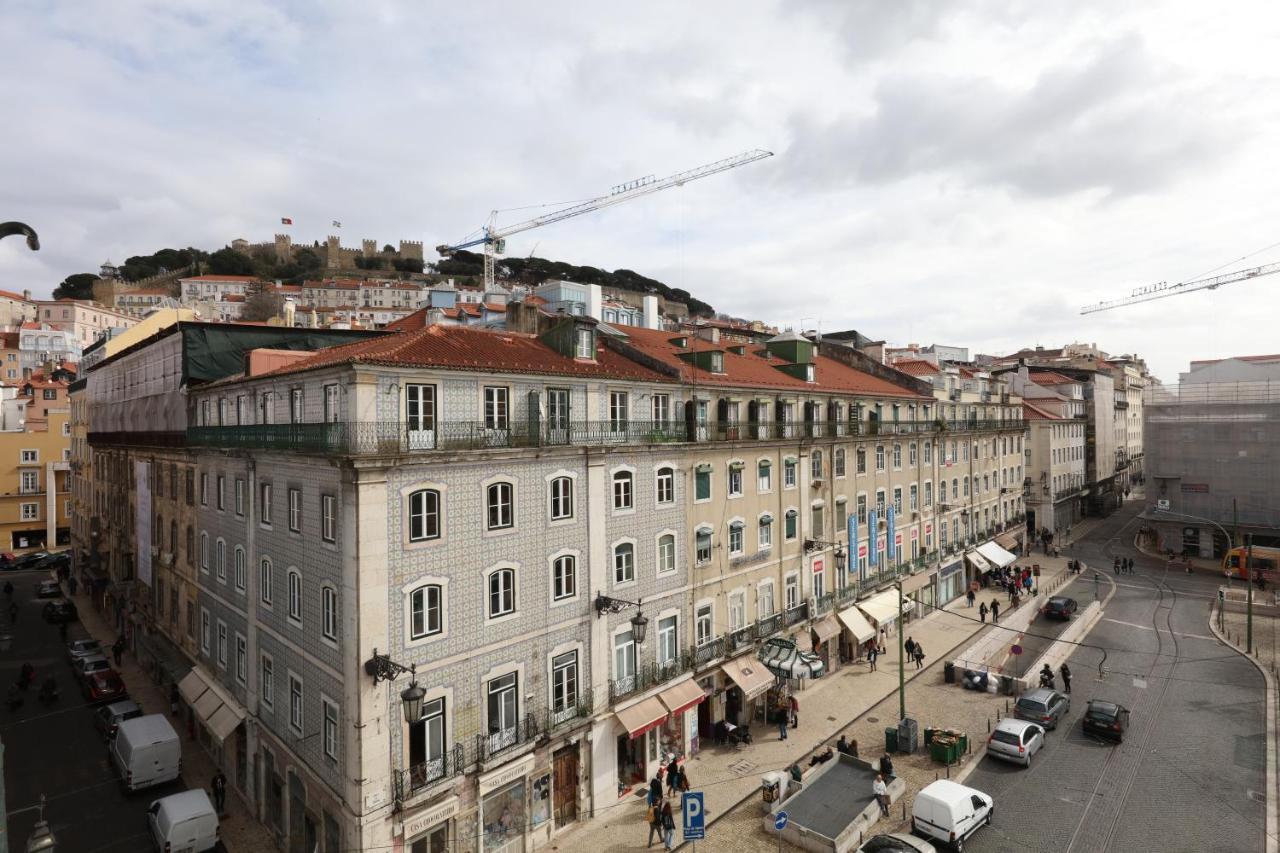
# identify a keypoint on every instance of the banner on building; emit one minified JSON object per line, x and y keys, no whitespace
{"x":853,"y":542}
{"x":874,"y":557}
{"x":891,"y":551}
{"x":142,"y":548}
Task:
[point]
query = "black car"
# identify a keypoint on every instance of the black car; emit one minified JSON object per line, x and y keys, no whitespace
{"x":29,"y":561}
{"x":1060,"y":607}
{"x":1106,"y":719}
{"x":60,"y":610}
{"x":48,"y":589}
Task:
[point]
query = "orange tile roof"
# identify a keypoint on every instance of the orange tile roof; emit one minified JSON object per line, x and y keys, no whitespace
{"x":1035,"y":413}
{"x":756,"y":371}
{"x":29,"y":324}
{"x":409,"y":322}
{"x":495,"y":307}
{"x":465,"y":348}
{"x":916,"y":367}
{"x":1041,"y":377}
{"x":17,"y":297}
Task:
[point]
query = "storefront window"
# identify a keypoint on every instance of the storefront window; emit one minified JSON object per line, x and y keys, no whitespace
{"x":435,"y":841}
{"x":504,"y":819}
{"x":672,"y":734}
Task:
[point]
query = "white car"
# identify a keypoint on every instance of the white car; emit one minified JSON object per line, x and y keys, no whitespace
{"x":949,"y":812}
{"x":1015,"y":740}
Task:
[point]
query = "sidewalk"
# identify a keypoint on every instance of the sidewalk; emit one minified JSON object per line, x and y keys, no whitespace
{"x":831,"y":705}
{"x":237,"y":827}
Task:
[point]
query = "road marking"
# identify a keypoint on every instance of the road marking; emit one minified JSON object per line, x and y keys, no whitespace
{"x":1149,"y":628}
{"x":1140,"y":682}
{"x":1178,"y":589}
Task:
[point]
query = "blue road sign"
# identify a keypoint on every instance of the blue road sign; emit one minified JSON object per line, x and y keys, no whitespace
{"x":780,"y":821}
{"x":691,"y":808}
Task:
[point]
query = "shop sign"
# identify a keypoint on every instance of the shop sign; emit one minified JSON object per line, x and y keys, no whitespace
{"x":951,"y":569}
{"x":915,"y":534}
{"x":431,"y":817}
{"x":505,"y":775}
{"x":928,"y":528}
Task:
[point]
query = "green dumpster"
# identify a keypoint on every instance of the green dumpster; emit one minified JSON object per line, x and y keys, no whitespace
{"x":941,"y":749}
{"x":891,"y":740}
{"x":928,"y":735}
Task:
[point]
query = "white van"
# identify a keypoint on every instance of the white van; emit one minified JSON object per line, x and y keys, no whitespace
{"x":183,"y":823}
{"x":146,"y":751}
{"x":950,"y":812}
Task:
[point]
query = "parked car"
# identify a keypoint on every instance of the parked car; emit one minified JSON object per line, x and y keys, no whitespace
{"x":1042,"y":705}
{"x":110,"y":716}
{"x":104,"y":685}
{"x":950,"y":812}
{"x":90,"y":664}
{"x":29,"y":561}
{"x":1015,"y":740}
{"x":1106,"y":719}
{"x":896,"y":842}
{"x":77,"y":649}
{"x":48,"y":589}
{"x":146,"y":751}
{"x":60,"y":610}
{"x":184,"y":823}
{"x":1060,"y":607}
{"x":54,"y":562}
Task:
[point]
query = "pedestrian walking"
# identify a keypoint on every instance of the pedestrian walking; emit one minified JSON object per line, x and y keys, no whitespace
{"x":881,"y":791}
{"x":872,"y":654}
{"x":673,"y":775}
{"x":71,"y":584}
{"x":117,"y":649}
{"x":219,"y":785}
{"x":782,"y":724}
{"x":655,"y":790}
{"x":668,"y":825}
{"x":654,"y":818}
{"x":910,"y":647}
{"x":970,"y":596}
{"x":982,"y":612}
{"x":1115,"y":567}
{"x":1129,"y":561}
{"x":919,"y":656}
{"x":995,"y":612}
{"x":795,"y":713}
{"x":1065,"y":672}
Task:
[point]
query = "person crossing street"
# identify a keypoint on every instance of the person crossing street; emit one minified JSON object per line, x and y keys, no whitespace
{"x":1065,"y":672}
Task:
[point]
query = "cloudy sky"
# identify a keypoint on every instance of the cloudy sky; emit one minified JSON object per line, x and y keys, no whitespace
{"x":967,"y":173}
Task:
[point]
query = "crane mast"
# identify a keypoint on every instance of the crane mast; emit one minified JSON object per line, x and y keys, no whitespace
{"x":494,"y":238}
{"x":1163,"y":290}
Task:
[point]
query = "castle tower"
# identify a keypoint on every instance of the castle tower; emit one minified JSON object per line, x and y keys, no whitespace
{"x":370,"y":248}
{"x":411,"y":249}
{"x":284,"y":248}
{"x":333,"y":253}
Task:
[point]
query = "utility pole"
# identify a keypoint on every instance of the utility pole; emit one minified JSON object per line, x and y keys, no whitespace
{"x":1248,"y":581}
{"x":902,"y":673}
{"x":1235,"y":537}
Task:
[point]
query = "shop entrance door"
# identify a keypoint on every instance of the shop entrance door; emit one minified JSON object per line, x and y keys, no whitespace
{"x":564,"y":786}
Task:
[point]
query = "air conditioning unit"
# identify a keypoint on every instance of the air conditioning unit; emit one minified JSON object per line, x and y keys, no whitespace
{"x":816,"y":482}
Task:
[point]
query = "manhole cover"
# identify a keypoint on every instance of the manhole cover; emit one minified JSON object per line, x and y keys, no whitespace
{"x":742,"y":768}
{"x":873,"y":719}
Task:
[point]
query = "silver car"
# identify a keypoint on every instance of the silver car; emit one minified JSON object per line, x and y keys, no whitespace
{"x":90,"y":664}
{"x":1015,"y":740}
{"x":79,"y":649}
{"x":1042,"y":705}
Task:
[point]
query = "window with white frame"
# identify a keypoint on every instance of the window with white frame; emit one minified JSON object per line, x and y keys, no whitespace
{"x":424,"y":515}
{"x":295,"y":703}
{"x":296,"y":414}
{"x":737,"y":611}
{"x":267,"y":681}
{"x":897,"y":456}
{"x":30,"y":483}
{"x":329,"y":612}
{"x":220,"y":560}
{"x":764,"y":476}
{"x":331,"y":404}
{"x":666,"y":553}
{"x":222,"y":644}
{"x":618,"y":406}
{"x":791,"y":591}
{"x":860,"y":460}
{"x":815,"y":465}
{"x":913,"y":497}
{"x":264,"y":508}
{"x":30,"y":511}
{"x":668,"y":639}
{"x":911,"y":454}
{"x":735,"y":480}
{"x":328,"y":518}
{"x":623,"y":490}
{"x":330,"y":729}
{"x":29,"y":457}
{"x":496,"y":411}
{"x":837,"y":462}
{"x":561,"y":498}
{"x":704,"y":626}
{"x":666,"y":486}
{"x":702,"y":545}
{"x":764,"y":534}
{"x":426,"y":611}
{"x":928,"y":452}
{"x":764,"y":600}
{"x":204,"y":631}
{"x":499,"y":502}
{"x":624,"y":563}
{"x":502,"y":592}
{"x":240,"y":569}
{"x":624,"y":659}
{"x":239,"y":496}
{"x":295,"y":595}
{"x":242,"y":659}
{"x":204,"y":551}
{"x":736,"y":537}
{"x":879,"y":457}
{"x":564,"y":577}
{"x":661,"y":408}
{"x":266,"y":580}
{"x":790,"y":524}
{"x":564,"y":681}
{"x":204,"y":490}
{"x":702,"y":483}
{"x":928,"y":493}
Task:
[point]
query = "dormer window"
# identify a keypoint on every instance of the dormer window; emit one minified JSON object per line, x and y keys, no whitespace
{"x":717,"y":362}
{"x":584,"y":343}
{"x":808,"y":373}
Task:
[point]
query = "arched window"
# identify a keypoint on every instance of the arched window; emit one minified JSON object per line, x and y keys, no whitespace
{"x":735,"y":538}
{"x":220,"y":553}
{"x":561,"y":498}
{"x":790,"y":525}
{"x":623,"y":492}
{"x":329,"y":612}
{"x":240,"y":569}
{"x":624,"y":563}
{"x":564,"y":577}
{"x":502,"y":592}
{"x":500,"y":502}
{"x":666,"y":553}
{"x":266,"y":579}
{"x":426,"y":611}
{"x":666,"y":486}
{"x":815,"y":465}
{"x":424,"y":515}
{"x":295,"y":595}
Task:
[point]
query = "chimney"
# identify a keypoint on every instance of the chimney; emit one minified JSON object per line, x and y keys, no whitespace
{"x":26,"y":294}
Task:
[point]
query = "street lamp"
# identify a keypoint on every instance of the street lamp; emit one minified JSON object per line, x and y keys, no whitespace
{"x":383,"y":668}
{"x":639,"y":623}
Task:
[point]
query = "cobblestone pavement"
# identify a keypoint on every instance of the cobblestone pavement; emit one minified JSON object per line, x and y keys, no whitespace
{"x":237,"y":827}
{"x":845,"y":702}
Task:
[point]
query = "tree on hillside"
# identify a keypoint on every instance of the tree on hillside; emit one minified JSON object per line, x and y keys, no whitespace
{"x":306,"y":259}
{"x":230,"y":262}
{"x":262,"y":305}
{"x":76,"y":286}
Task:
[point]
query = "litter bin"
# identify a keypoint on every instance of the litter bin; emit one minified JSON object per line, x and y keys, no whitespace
{"x":908,"y":735}
{"x":773,"y":786}
{"x":942,"y":749}
{"x":1006,"y":685}
{"x":891,"y":740}
{"x":949,"y":672}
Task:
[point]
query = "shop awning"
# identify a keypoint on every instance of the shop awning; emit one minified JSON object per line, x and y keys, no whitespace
{"x":216,"y":708}
{"x":1007,"y":541}
{"x":751,"y":676}
{"x":977,"y":561}
{"x":826,"y":628}
{"x":882,"y":609}
{"x":784,"y":659}
{"x":642,"y":716}
{"x":681,"y":697}
{"x":996,"y":554}
{"x":857,"y":624}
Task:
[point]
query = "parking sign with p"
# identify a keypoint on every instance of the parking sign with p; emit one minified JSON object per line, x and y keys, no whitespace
{"x":694,"y":816}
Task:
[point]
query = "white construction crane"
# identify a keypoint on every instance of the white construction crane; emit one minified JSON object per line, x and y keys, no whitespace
{"x":494,"y":238}
{"x":1164,"y":290}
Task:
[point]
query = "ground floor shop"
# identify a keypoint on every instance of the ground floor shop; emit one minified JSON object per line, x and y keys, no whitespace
{"x":644,"y":735}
